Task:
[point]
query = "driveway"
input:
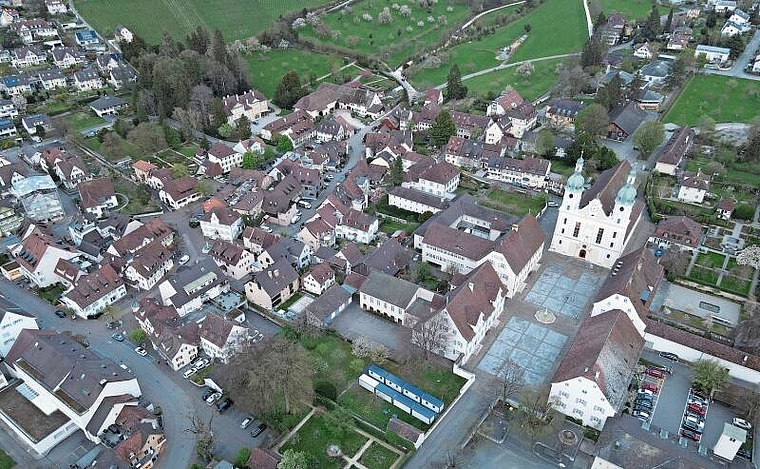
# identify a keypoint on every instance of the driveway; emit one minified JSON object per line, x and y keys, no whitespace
{"x":354,"y":322}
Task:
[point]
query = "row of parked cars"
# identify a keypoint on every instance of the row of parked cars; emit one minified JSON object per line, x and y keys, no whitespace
{"x":693,"y":422}
{"x":196,"y":366}
{"x":646,"y":396}
{"x":215,"y":397}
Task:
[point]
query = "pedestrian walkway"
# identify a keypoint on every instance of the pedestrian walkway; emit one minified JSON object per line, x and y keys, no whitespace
{"x":295,"y":429}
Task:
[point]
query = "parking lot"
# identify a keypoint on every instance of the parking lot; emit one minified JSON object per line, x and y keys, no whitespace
{"x":669,"y":411}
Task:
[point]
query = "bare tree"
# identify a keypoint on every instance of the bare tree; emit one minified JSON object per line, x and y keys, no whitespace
{"x":201,"y":428}
{"x":538,"y":411}
{"x":431,"y":335}
{"x":189,"y":120}
{"x":271,"y":376}
{"x":201,"y":99}
{"x":510,"y":380}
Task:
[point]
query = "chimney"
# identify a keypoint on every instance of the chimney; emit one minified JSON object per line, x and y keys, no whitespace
{"x":472,"y":286}
{"x":596,"y":375}
{"x":276,"y":273}
{"x":515,"y":227}
{"x":269,"y":272}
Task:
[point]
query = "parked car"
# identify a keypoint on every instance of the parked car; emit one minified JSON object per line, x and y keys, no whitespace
{"x":697,"y":409}
{"x":221,"y":406}
{"x":304,"y":204}
{"x":552,"y":204}
{"x":663,"y":368}
{"x":258,"y":430}
{"x":694,"y":422}
{"x":643,"y":405}
{"x":183,"y":260}
{"x":200,"y":363}
{"x":207,"y":393}
{"x":117,"y":337}
{"x":213,"y":398}
{"x":690,"y":434}
{"x":114,"y":324}
{"x":645,"y":392}
{"x":649,"y":387}
{"x":189,"y":372}
{"x":741,"y":423}
{"x":655,"y":372}
{"x":669,"y":356}
{"x":266,"y":228}
{"x":641,"y":414}
{"x":745,"y":452}
{"x":141,"y":351}
{"x":60,"y":314}
{"x":246,"y":421}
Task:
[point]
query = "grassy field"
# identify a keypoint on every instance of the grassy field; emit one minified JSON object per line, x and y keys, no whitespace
{"x":84,"y":120}
{"x":722,"y":98}
{"x":265,"y":70}
{"x":378,"y":457}
{"x":547,"y":37}
{"x":333,"y":361}
{"x":542,"y":80}
{"x":315,"y":436}
{"x":238,"y":19}
{"x":516,"y":203}
{"x":631,"y":9}
{"x":6,"y":462}
{"x":394,"y":41}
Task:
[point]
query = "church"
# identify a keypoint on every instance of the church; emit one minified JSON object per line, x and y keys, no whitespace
{"x":596,"y":223}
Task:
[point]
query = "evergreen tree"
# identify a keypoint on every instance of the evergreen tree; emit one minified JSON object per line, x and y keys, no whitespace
{"x":668,"y":22}
{"x":243,"y":128}
{"x":199,"y":40}
{"x":284,"y":144}
{"x":593,"y":52}
{"x":600,"y":20}
{"x":454,"y":87}
{"x":652,"y":25}
{"x":397,"y":173}
{"x":218,"y":116}
{"x":677,"y":73}
{"x":218,"y":49}
{"x":289,"y":91}
{"x":443,"y":129}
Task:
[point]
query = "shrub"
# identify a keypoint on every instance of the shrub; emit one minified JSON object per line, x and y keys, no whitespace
{"x":326,"y":389}
{"x":242,"y":457}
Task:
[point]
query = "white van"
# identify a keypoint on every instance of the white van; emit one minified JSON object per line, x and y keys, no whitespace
{"x":304,"y":204}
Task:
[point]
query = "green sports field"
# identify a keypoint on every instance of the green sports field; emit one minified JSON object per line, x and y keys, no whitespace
{"x":724,"y":99}
{"x":548,"y":36}
{"x":238,"y":19}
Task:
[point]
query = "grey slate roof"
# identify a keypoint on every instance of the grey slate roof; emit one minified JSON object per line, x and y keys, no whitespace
{"x":393,"y":290}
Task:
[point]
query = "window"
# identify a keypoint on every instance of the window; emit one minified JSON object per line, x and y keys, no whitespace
{"x":599,"y":235}
{"x":598,"y":409}
{"x":578,"y":412}
{"x":584,"y":391}
{"x":564,"y":222}
{"x":614,"y":234}
{"x":580,"y":401}
{"x":577,"y":229}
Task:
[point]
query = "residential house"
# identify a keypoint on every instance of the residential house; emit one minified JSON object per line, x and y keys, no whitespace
{"x":108,"y":62}
{"x":253,"y":145}
{"x":56,"y":7}
{"x":656,"y":72}
{"x":713,"y":55}
{"x":93,"y":292}
{"x":509,"y":99}
{"x":52,"y":79}
{"x":251,"y":104}
{"x":193,"y":285}
{"x":67,"y":57}
{"x":28,"y":56}
{"x":624,"y":120}
{"x":318,"y":279}
{"x":257,"y":240}
{"x":39,"y":196}
{"x":7,"y":109}
{"x":469,"y":125}
{"x":394,"y":297}
{"x":233,"y":259}
{"x":272,"y":286}
{"x":87,"y":80}
{"x":285,"y":125}
{"x":222,"y":223}
{"x":308,"y":179}
{"x":591,"y":382}
{"x":731,"y":29}
{"x":596,"y":223}
{"x":12,"y":173}
{"x":122,"y":34}
{"x":333,"y":128}
{"x":107,"y":105}
{"x":613,"y":30}
{"x":12,"y":321}
{"x":357,"y":226}
{"x":225,"y":156}
{"x":463,"y":152}
{"x":440,"y":179}
{"x":141,"y":440}
{"x":86,"y":38}
{"x":528,"y":172}
{"x":561,"y":113}
{"x":98,"y":197}
{"x":221,"y":337}
{"x":177,"y":193}
{"x":15,"y":85}
{"x":294,"y":251}
{"x":643,"y":50}
{"x":71,"y":171}
{"x":672,"y":156}
{"x":328,"y":96}
{"x":149,"y":266}
{"x":470,"y":311}
{"x":433,"y":96}
{"x":648,"y":100}
{"x":137,"y":235}
{"x":416,"y":201}
{"x":725,"y":208}
{"x":681,"y":232}
{"x":30,"y":123}
{"x":34,"y":29}
{"x":693,"y":187}
{"x":175,"y":342}
{"x":9,"y":16}
{"x":522,"y":119}
{"x":680,"y":39}
{"x":723,"y":6}
{"x":7,"y":128}
{"x":66,"y":382}
{"x":317,"y":233}
{"x":122,"y":76}
{"x":389,"y":258}
{"x":142,"y":170}
{"x":323,"y":310}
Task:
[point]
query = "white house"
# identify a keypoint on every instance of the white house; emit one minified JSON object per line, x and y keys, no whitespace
{"x":357,"y":226}
{"x":272,"y":286}
{"x":222,"y":223}
{"x":416,"y":201}
{"x":391,"y":296}
{"x":56,"y":7}
{"x":176,"y":193}
{"x":107,"y":105}
{"x":90,"y":394}
{"x":221,"y":338}
{"x":149,"y":265}
{"x":98,"y":197}
{"x":87,"y":80}
{"x":596,"y":223}
{"x":713,"y":55}
{"x":672,"y":156}
{"x":12,"y":322}
{"x":91,"y":293}
{"x":191,"y":286}
{"x":591,"y":382}
{"x":38,"y":255}
{"x":252,"y":104}
{"x":694,"y":187}
{"x":731,"y":29}
{"x":527,"y":172}
{"x":440,"y":179}
{"x":318,"y":279}
{"x":234,"y":260}
{"x":225,"y":156}
{"x":642,"y":51}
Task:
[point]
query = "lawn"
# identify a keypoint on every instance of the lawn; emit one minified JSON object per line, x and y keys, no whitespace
{"x":711,"y":260}
{"x":631,"y":9}
{"x":315,"y":436}
{"x":375,"y":410}
{"x":378,"y":457}
{"x":237,"y":19}
{"x":389,"y":227}
{"x":516,"y":203}
{"x":123,"y":150}
{"x":6,"y":462}
{"x":722,"y":98}
{"x":51,"y":294}
{"x":84,"y":120}
{"x":542,"y":80}
{"x":392,"y":42}
{"x":547,"y":37}
{"x":189,"y":150}
{"x":265,"y":70}
{"x":140,"y":200}
{"x":704,"y":275}
{"x":332,"y":360}
{"x":737,"y":285}
{"x":564,"y":167}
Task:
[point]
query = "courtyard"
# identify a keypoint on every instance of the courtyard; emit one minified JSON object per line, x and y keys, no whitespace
{"x":563,"y":294}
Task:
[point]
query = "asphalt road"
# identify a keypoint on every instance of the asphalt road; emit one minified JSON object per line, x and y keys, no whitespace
{"x":737,"y":70}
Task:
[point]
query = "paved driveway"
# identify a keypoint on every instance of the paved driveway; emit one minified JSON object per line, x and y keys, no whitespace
{"x":354,"y":322}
